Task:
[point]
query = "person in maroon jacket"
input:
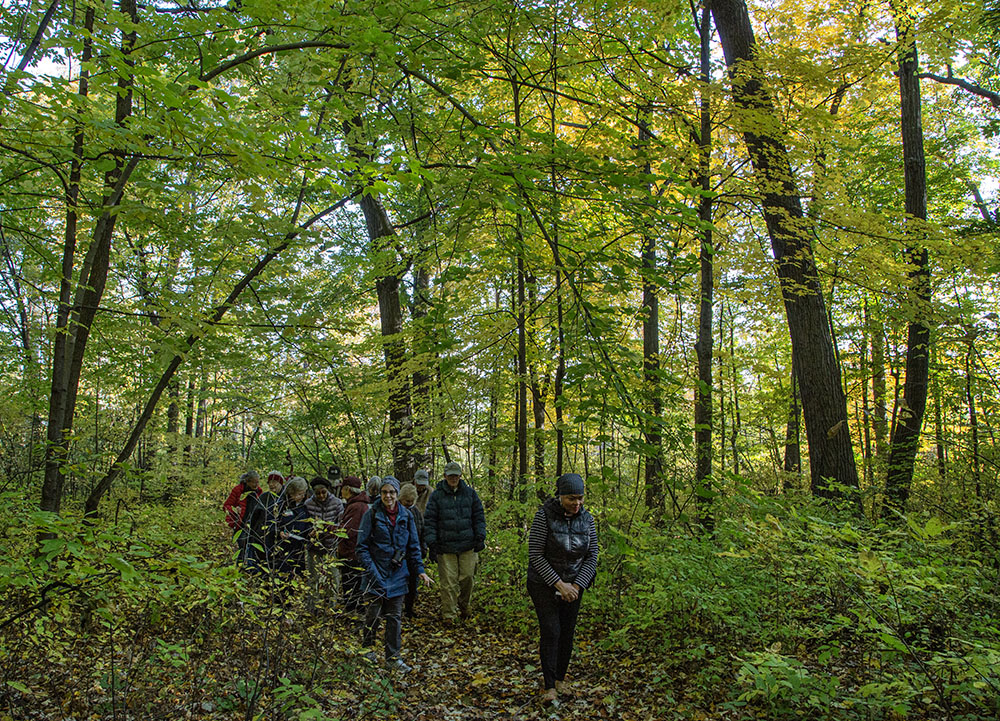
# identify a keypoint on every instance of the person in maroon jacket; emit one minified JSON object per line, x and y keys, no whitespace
{"x":236,"y":505}
{"x":355,"y":506}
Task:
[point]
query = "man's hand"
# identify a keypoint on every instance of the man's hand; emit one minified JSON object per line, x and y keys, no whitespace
{"x":426,"y":579}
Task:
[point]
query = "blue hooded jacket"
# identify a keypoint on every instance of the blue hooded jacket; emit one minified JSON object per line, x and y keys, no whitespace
{"x":379,"y":542}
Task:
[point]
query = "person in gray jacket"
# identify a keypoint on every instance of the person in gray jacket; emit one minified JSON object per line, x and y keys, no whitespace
{"x":455,"y":533}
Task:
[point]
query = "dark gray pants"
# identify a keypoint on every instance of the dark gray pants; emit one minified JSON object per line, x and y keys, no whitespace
{"x":557,"y":624}
{"x":391,"y":609}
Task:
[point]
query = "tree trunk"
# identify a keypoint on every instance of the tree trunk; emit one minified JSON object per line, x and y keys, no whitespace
{"x":173,"y":417}
{"x":793,"y":453}
{"x":74,"y":324}
{"x":522,"y":380}
{"x":703,"y":344}
{"x":823,"y":403}
{"x":653,"y":460}
{"x":394,"y":347}
{"x":734,"y":406}
{"x":880,"y":421}
{"x":424,"y":357}
{"x":910,"y":417}
{"x":970,"y":401}
{"x":722,"y":391}
{"x":942,"y":464}
{"x":189,"y":420}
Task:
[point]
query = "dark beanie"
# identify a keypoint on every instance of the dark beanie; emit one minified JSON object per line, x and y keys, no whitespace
{"x":569,"y":484}
{"x":320,"y":481}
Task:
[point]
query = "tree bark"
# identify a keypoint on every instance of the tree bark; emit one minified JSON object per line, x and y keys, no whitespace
{"x":909,"y":417}
{"x":793,"y":453}
{"x":74,"y":323}
{"x":380,"y":231}
{"x":424,"y":357}
{"x":824,"y":405}
{"x":880,"y":421}
{"x":703,"y":344}
{"x":522,"y":373}
{"x":653,"y":461}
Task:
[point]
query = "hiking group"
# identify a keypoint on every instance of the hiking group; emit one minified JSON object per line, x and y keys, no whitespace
{"x":370,"y":543}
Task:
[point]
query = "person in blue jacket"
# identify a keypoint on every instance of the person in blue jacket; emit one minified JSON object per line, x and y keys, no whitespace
{"x":388,"y":548}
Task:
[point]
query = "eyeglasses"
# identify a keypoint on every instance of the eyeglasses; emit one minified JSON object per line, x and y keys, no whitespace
{"x":389,"y":492}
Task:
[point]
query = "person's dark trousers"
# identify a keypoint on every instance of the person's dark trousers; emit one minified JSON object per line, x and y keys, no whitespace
{"x":411,"y":593}
{"x":557,"y":624}
{"x":391,"y":609}
{"x":350,"y":582}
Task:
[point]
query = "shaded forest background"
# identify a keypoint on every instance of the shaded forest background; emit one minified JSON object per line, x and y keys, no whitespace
{"x":735,"y":265}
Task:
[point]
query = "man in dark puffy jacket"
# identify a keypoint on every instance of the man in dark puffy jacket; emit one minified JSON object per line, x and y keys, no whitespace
{"x":455,"y":532}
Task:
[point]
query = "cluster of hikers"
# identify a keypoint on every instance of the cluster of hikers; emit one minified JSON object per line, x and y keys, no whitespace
{"x":372,"y":540}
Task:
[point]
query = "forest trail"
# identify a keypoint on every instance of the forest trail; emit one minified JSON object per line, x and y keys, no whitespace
{"x":476,"y":671}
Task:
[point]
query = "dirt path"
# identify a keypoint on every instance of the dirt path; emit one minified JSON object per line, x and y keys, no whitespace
{"x":475,"y":672}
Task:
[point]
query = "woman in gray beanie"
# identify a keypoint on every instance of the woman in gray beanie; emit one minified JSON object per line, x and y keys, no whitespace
{"x":562,"y":562}
{"x":389,"y":550}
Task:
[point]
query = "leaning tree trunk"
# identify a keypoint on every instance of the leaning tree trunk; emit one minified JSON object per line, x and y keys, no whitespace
{"x":824,"y":405}
{"x":167,"y":377}
{"x":910,"y":416}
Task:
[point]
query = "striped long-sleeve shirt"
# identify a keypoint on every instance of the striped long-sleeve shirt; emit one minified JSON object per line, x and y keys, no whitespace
{"x":537,"y":539}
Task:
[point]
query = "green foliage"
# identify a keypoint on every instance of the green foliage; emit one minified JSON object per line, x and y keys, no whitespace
{"x":801,"y":613}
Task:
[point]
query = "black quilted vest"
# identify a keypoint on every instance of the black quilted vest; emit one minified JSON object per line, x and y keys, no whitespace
{"x":567,"y":543}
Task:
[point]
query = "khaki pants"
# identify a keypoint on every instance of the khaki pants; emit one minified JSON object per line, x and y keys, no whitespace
{"x":456,"y":573}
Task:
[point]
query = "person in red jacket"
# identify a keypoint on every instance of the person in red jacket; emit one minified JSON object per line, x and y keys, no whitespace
{"x":354,"y":510}
{"x":236,"y":505}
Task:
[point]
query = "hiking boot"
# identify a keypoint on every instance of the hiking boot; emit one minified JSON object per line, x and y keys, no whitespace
{"x":563,"y":689}
{"x":548,"y":696}
{"x":371,"y":657}
{"x":398,"y":665}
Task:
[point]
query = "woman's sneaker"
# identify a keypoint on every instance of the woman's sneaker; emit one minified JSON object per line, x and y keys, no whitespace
{"x":399,"y":666}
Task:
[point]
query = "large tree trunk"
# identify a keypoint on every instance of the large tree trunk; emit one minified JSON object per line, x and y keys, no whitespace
{"x":703,"y":344}
{"x":391,"y":315}
{"x":824,"y":405}
{"x":910,"y":417}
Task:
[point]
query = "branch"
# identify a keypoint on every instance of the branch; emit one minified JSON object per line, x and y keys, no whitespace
{"x":90,"y":507}
{"x":966,"y":85}
{"x":443,"y":93}
{"x":36,"y":41}
{"x":245,"y":57}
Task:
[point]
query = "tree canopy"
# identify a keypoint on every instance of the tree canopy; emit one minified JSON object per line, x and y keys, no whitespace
{"x":532,"y":237}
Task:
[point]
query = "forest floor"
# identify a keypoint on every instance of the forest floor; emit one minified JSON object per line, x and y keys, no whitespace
{"x":476,"y":670}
